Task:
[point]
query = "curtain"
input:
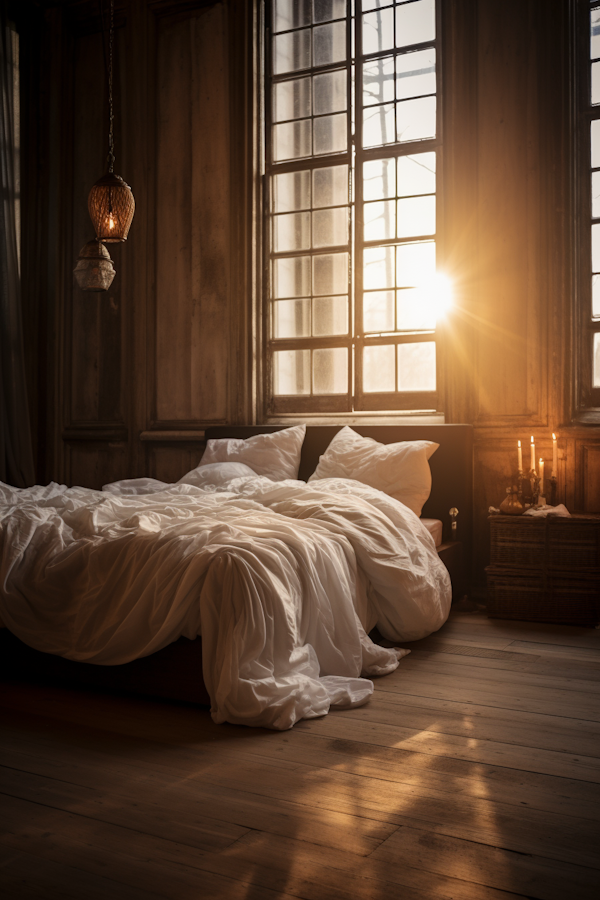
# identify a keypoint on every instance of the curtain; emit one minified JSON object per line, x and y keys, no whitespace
{"x":16,"y":454}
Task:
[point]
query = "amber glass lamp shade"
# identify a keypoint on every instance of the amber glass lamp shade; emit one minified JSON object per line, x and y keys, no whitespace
{"x":111,"y":207}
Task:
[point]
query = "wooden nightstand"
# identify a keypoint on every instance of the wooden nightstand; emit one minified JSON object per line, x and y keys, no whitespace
{"x":545,"y":569}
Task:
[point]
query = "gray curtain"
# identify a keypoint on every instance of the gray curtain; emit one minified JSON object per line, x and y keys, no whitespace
{"x":16,"y":456}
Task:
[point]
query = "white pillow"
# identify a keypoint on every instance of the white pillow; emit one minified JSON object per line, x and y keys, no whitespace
{"x":400,"y":470}
{"x":275,"y":455}
{"x":216,"y":474}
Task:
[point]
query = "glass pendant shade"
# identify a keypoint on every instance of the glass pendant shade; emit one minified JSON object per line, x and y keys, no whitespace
{"x":94,"y":270}
{"x":111,"y":207}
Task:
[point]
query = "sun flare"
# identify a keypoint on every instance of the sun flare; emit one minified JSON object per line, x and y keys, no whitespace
{"x":437,"y":294}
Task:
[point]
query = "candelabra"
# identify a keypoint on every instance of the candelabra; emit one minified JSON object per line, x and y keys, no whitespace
{"x":529,"y":487}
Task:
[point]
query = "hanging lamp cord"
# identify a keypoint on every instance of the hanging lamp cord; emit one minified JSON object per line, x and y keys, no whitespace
{"x":111,"y":137}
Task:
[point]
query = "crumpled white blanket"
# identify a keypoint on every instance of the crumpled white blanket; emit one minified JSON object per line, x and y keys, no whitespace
{"x":283,"y":580}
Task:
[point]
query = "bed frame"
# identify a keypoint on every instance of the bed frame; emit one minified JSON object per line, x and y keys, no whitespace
{"x":175,"y":672}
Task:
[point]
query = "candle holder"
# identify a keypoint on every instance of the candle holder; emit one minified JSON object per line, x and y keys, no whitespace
{"x":529,"y":488}
{"x":553,"y":486}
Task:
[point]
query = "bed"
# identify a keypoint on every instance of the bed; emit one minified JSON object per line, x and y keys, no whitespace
{"x":173,"y":671}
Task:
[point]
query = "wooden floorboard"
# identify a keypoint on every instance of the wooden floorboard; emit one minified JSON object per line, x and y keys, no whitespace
{"x":472,"y":774}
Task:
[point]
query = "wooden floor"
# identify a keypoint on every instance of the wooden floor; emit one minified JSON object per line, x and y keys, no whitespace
{"x":473,"y":773}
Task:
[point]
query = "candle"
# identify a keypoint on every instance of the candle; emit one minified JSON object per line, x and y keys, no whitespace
{"x":532,"y":466}
{"x":554,"y":456}
{"x":519,"y":456}
{"x":541,"y":472}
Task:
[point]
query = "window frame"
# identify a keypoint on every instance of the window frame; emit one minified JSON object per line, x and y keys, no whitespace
{"x":586,"y":396}
{"x":355,"y":402}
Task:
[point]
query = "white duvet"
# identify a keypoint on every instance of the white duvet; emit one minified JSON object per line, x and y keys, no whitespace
{"x":283,"y":580}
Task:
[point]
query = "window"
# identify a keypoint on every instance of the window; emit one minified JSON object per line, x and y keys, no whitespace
{"x":352,"y":143}
{"x":589,"y":355}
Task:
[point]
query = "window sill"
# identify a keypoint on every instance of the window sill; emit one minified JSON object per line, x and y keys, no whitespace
{"x":369,"y":418}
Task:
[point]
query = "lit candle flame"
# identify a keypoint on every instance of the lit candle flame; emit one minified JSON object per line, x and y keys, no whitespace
{"x":111,"y":222}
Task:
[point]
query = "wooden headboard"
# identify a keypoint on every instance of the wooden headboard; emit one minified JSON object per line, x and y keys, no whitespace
{"x":451,"y":464}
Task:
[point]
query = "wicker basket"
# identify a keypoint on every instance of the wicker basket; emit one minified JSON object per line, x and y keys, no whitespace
{"x":537,"y":598}
{"x":555,"y":543}
{"x":545,"y":569}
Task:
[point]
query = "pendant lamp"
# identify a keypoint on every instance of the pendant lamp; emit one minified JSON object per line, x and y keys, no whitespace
{"x":110,"y":203}
{"x":94,"y":270}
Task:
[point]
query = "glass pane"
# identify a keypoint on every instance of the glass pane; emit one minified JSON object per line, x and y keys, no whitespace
{"x":595,"y":194}
{"x":291,"y":51}
{"x":415,"y":74}
{"x":416,"y":367}
{"x":290,"y":14}
{"x":330,"y":371}
{"x":330,"y":273}
{"x":378,"y":31}
{"x":596,"y":296}
{"x":325,"y":10}
{"x":292,"y":140}
{"x":330,"y":227}
{"x":291,"y":99}
{"x":379,"y":179}
{"x":414,"y":311}
{"x":291,"y":191}
{"x":416,"y":174}
{"x":291,"y":277}
{"x":595,"y":248}
{"x":330,"y":186}
{"x":375,"y":4}
{"x":380,"y":220}
{"x":330,"y":92}
{"x":416,"y":216}
{"x":291,"y":232}
{"x":291,"y":318}
{"x":378,"y":311}
{"x":379,"y":369}
{"x":378,"y":81}
{"x":330,"y":315}
{"x":291,"y":372}
{"x":596,"y":361}
{"x":416,"y":119}
{"x":594,"y":33}
{"x":330,"y":134}
{"x":329,"y":44}
{"x":415,"y":23}
{"x":416,"y":263}
{"x":595,"y":139}
{"x":378,"y":125}
{"x":378,"y":268}
{"x":595,"y":83}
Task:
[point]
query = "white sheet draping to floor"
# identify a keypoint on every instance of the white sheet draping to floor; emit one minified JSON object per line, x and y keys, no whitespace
{"x":282,"y":579}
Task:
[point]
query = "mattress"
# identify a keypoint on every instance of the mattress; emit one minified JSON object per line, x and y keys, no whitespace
{"x":434,"y":527}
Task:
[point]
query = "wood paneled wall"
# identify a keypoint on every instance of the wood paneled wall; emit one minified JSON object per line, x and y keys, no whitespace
{"x":192,"y":220}
{"x":138,"y":372}
{"x":522,"y":302}
{"x":127,"y":381}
